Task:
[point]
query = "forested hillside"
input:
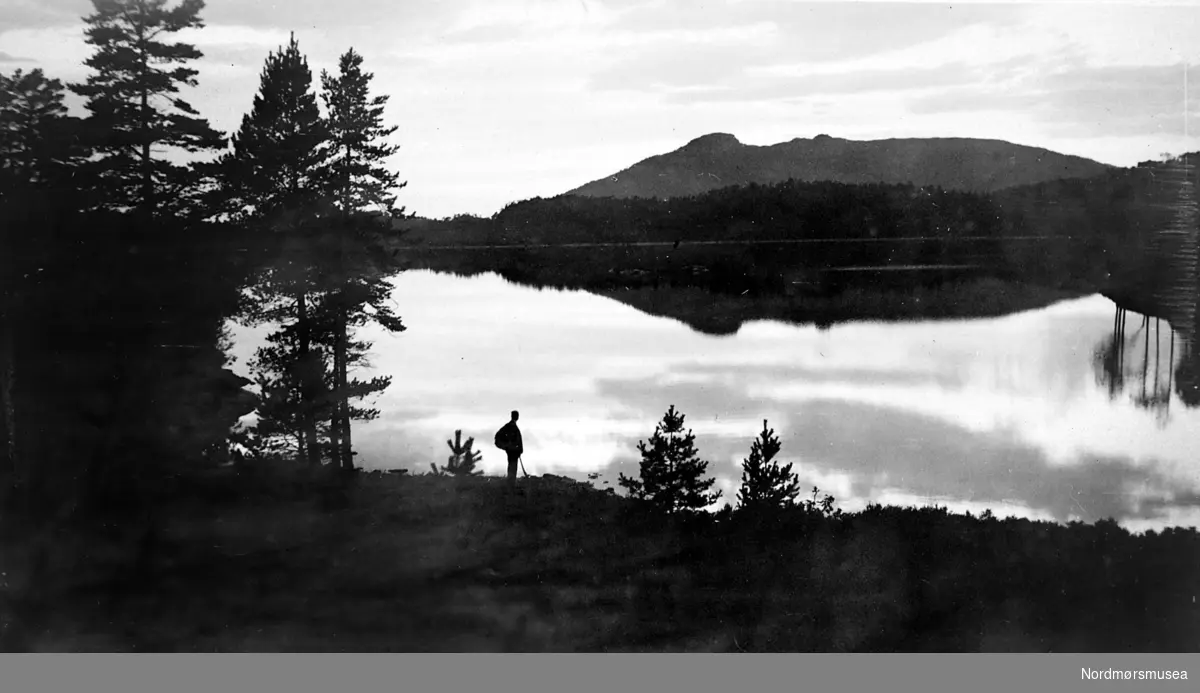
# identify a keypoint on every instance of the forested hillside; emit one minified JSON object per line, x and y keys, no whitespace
{"x":719,"y":160}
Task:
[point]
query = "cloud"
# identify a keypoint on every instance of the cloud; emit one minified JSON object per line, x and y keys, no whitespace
{"x":1172,"y":501}
{"x":888,"y":449}
{"x":361,"y":23}
{"x":64,"y":61}
{"x":826,"y":84}
{"x":777,"y":38}
{"x":9,"y":58}
{"x":367,"y":19}
{"x":884,"y":450}
{"x":821,"y":31}
{"x":1080,"y":101}
{"x":233,"y":35}
{"x":42,"y":14}
{"x":849,"y":375}
{"x":691,"y":62}
{"x":529,"y":15}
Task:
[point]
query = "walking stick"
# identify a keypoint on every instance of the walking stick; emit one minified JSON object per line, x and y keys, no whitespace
{"x":522,"y":461}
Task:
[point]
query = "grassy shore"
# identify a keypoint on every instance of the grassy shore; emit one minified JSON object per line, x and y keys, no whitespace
{"x":387,"y":562}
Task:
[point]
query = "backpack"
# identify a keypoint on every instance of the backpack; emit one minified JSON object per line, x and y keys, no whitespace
{"x":501,"y":440}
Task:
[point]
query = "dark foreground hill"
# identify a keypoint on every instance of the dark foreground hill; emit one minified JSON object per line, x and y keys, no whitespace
{"x":384,"y":562}
{"x":719,"y":160}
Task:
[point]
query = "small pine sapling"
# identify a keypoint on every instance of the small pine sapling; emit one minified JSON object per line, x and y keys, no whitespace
{"x":823,"y":506}
{"x":463,"y":457}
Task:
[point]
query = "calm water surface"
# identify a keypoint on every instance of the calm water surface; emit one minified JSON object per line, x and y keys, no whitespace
{"x":1009,"y":413}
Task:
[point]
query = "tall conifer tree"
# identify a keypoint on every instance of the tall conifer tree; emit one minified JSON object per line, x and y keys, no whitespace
{"x":137,"y":114}
{"x":360,"y":181}
{"x":275,"y":180}
{"x":275,"y":173}
{"x":358,"y":139}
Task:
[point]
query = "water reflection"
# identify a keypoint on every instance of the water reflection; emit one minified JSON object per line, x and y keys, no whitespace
{"x":1015,"y":414}
{"x":1166,"y":286}
{"x":1155,"y":363}
{"x":1145,"y":375}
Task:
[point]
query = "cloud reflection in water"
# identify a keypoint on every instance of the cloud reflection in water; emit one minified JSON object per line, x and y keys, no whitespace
{"x":1003,"y":413}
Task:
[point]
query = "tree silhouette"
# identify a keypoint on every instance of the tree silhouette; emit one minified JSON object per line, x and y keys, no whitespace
{"x":358,"y":139}
{"x":463,"y":457}
{"x":136,"y":111}
{"x":273,"y":182}
{"x":670,"y":469}
{"x":338,"y":315}
{"x":289,"y":417}
{"x":275,"y":167}
{"x":37,"y":137}
{"x":361,"y":182}
{"x":766,"y":484}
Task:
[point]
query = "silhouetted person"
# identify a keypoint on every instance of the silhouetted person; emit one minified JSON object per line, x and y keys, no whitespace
{"x":508,"y":439}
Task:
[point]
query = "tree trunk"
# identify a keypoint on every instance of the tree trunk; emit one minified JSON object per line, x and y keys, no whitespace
{"x":147,"y":184}
{"x":307,"y":389}
{"x":335,"y":428}
{"x":341,"y":339}
{"x":147,"y":187}
{"x":343,"y":401}
{"x":335,"y":446}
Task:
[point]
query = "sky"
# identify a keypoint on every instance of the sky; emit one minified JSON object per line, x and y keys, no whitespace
{"x":502,"y":100}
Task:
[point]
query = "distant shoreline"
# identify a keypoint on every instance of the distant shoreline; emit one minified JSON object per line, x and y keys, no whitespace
{"x":684,"y":292}
{"x":736,"y":242}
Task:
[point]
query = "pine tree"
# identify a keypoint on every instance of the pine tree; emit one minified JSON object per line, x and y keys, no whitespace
{"x":297,"y":361}
{"x":463,"y":458}
{"x":340,"y":314}
{"x":289,"y":417}
{"x":360,"y":181}
{"x":275,"y":171}
{"x":765,"y":484}
{"x":670,"y":469}
{"x":359,"y":139}
{"x":273,"y":181}
{"x":133,"y":96}
{"x":37,"y":137}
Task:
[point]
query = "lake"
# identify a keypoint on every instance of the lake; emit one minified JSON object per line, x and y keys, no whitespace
{"x":1014,"y":414}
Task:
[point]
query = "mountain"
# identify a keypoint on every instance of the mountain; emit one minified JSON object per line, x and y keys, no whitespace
{"x":719,"y":160}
